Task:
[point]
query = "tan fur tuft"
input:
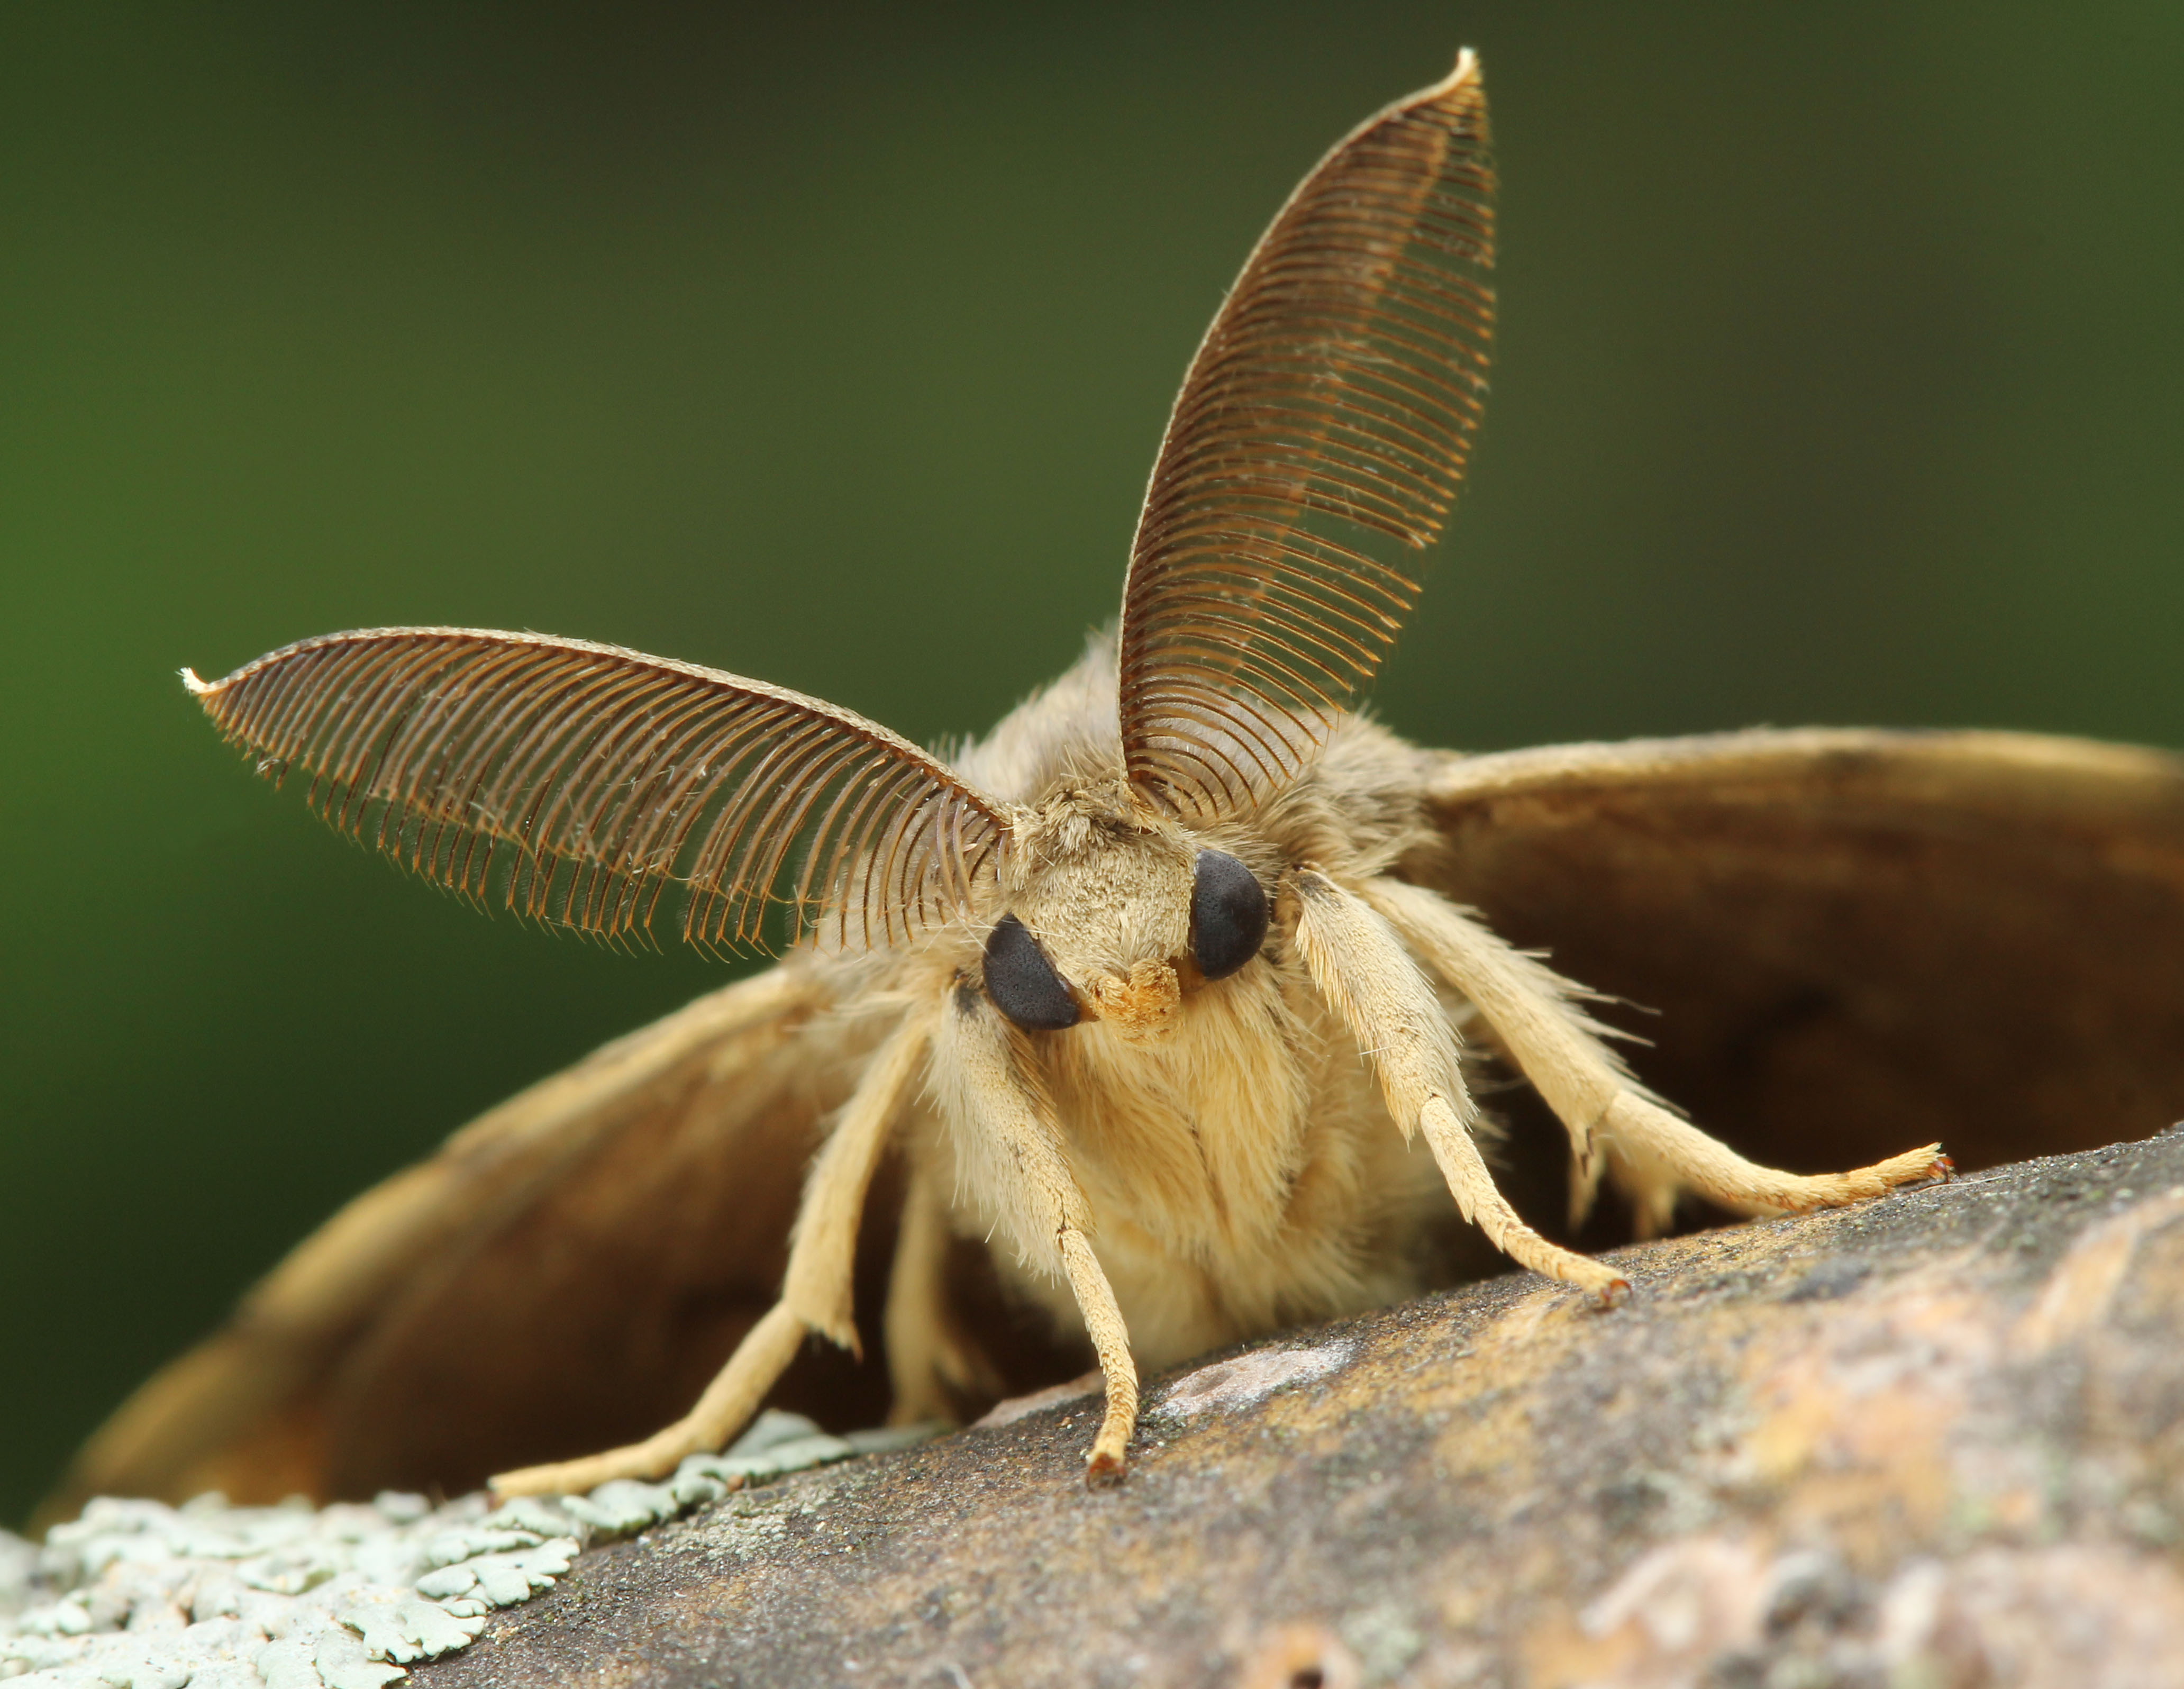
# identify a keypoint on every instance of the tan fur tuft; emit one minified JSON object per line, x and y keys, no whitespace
{"x":1140,"y":1006}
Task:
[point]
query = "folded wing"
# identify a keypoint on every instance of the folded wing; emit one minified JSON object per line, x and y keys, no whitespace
{"x":1854,"y":940}
{"x":566,"y":1273}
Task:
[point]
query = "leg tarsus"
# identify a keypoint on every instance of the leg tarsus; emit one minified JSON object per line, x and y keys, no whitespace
{"x":729,"y":1400}
{"x":1484,"y":1205}
{"x":1103,"y":1470}
{"x":1705,"y":1166}
{"x":1103,"y":1319}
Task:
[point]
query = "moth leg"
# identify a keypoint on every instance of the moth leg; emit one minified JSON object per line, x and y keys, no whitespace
{"x":1559,"y":1048}
{"x":933,"y":1363}
{"x":1362,"y":968}
{"x":998,"y":1104}
{"x":816,"y":1295}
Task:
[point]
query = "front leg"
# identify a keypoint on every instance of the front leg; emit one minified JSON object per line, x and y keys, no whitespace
{"x":1003,"y":1118}
{"x":815,"y":1296}
{"x":934,"y":1364}
{"x":1558,"y":1048}
{"x":1363,"y":969}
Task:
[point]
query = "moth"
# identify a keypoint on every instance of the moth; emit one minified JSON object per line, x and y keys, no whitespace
{"x":1141,"y":1025}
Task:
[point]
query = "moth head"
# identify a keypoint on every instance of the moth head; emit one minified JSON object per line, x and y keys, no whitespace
{"x":1319,"y":441}
{"x":1115,"y":916}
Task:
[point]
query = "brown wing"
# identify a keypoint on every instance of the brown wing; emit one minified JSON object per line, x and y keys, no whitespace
{"x":565,"y":1275}
{"x":1856,"y":941}
{"x":1318,"y":438}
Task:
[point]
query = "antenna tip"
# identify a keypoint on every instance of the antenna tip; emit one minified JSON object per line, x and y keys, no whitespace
{"x":192,"y":685}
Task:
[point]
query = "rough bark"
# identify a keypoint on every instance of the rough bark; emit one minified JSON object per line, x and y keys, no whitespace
{"x":1938,"y":1438}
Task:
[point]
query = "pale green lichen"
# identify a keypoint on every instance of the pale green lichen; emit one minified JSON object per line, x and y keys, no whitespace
{"x":137,"y":1595}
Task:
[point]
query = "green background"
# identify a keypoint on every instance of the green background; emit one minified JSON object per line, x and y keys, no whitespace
{"x":1841,"y":380}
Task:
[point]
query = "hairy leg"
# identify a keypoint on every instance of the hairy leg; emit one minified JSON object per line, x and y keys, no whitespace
{"x":1559,"y":1049}
{"x":993,"y":1100}
{"x":815,"y":1296}
{"x":1362,"y":968}
{"x":932,"y":1362}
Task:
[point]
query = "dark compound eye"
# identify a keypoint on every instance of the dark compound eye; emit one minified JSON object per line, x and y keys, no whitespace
{"x":1228,"y":915}
{"x":1023,"y":982}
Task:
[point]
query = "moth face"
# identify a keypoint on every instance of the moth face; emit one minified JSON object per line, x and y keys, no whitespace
{"x":1116,"y":920}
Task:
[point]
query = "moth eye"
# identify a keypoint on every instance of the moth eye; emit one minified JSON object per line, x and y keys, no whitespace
{"x":1228,"y":915}
{"x":1023,"y":982}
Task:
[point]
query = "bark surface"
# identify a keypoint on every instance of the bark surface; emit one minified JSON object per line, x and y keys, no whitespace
{"x":1938,"y":1438}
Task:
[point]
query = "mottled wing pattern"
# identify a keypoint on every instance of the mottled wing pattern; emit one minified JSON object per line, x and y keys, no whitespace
{"x":578,"y":784}
{"x":1321,"y":433}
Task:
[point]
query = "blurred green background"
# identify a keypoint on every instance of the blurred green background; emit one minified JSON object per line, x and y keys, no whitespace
{"x":1842,"y":379}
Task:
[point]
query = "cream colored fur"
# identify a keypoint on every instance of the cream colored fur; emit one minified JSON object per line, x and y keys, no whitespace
{"x":1198,"y":1161}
